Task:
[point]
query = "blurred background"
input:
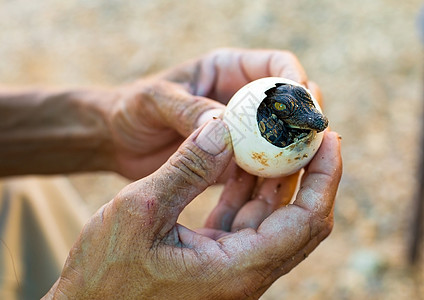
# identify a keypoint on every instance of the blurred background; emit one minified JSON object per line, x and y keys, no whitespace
{"x":365,"y":55}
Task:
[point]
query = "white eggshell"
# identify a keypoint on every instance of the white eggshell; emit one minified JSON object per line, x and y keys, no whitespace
{"x":254,"y":153}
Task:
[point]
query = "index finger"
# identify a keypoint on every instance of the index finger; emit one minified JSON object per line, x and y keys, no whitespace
{"x":220,"y":73}
{"x":272,"y":63}
{"x":227,"y":70}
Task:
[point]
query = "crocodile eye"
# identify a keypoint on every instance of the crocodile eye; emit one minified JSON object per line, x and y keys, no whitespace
{"x":279,"y":106}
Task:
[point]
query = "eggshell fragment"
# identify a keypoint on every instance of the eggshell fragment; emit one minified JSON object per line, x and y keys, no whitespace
{"x":254,"y":153}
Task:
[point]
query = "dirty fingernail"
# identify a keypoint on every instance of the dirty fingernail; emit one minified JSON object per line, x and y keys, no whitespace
{"x":214,"y":137}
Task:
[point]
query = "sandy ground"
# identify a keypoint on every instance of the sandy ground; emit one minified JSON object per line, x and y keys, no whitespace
{"x":365,"y":55}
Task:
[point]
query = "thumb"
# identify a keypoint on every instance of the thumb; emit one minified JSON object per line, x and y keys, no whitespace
{"x":180,"y":109}
{"x":197,"y":163}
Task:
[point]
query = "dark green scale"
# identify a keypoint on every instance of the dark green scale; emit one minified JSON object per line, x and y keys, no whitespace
{"x":288,"y":114}
{"x":273,"y":130}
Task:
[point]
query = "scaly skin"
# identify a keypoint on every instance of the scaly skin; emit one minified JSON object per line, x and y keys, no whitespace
{"x":288,"y":113}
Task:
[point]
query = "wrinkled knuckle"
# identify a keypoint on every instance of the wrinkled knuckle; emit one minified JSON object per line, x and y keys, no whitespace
{"x":191,"y":165}
{"x":186,"y":108}
{"x":160,"y":90}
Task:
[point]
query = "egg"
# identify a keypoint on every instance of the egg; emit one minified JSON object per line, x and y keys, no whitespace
{"x":258,"y":142}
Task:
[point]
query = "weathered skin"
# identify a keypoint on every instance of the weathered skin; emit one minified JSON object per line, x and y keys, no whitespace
{"x":288,"y":114}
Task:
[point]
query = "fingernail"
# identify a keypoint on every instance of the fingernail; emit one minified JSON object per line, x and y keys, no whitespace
{"x":214,"y":137}
{"x":209,"y":115}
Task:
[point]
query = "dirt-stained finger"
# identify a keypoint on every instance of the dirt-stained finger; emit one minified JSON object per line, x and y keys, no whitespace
{"x":320,"y":182}
{"x":237,"y":191}
{"x":272,"y":194}
{"x":295,"y":230}
{"x":179,"y":109}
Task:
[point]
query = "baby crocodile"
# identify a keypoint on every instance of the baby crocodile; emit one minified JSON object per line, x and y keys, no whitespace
{"x":288,"y":114}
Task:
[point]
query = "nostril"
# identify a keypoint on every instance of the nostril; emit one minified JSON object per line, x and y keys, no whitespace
{"x":320,"y":123}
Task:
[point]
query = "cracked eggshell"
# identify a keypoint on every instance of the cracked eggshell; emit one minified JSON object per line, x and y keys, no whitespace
{"x":252,"y":152}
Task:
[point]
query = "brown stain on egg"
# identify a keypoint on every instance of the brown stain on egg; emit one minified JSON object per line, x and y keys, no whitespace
{"x":261,"y":158}
{"x":279,"y":154}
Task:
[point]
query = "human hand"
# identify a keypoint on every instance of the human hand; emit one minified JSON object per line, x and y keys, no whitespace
{"x":151,"y":117}
{"x":133,"y":247}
